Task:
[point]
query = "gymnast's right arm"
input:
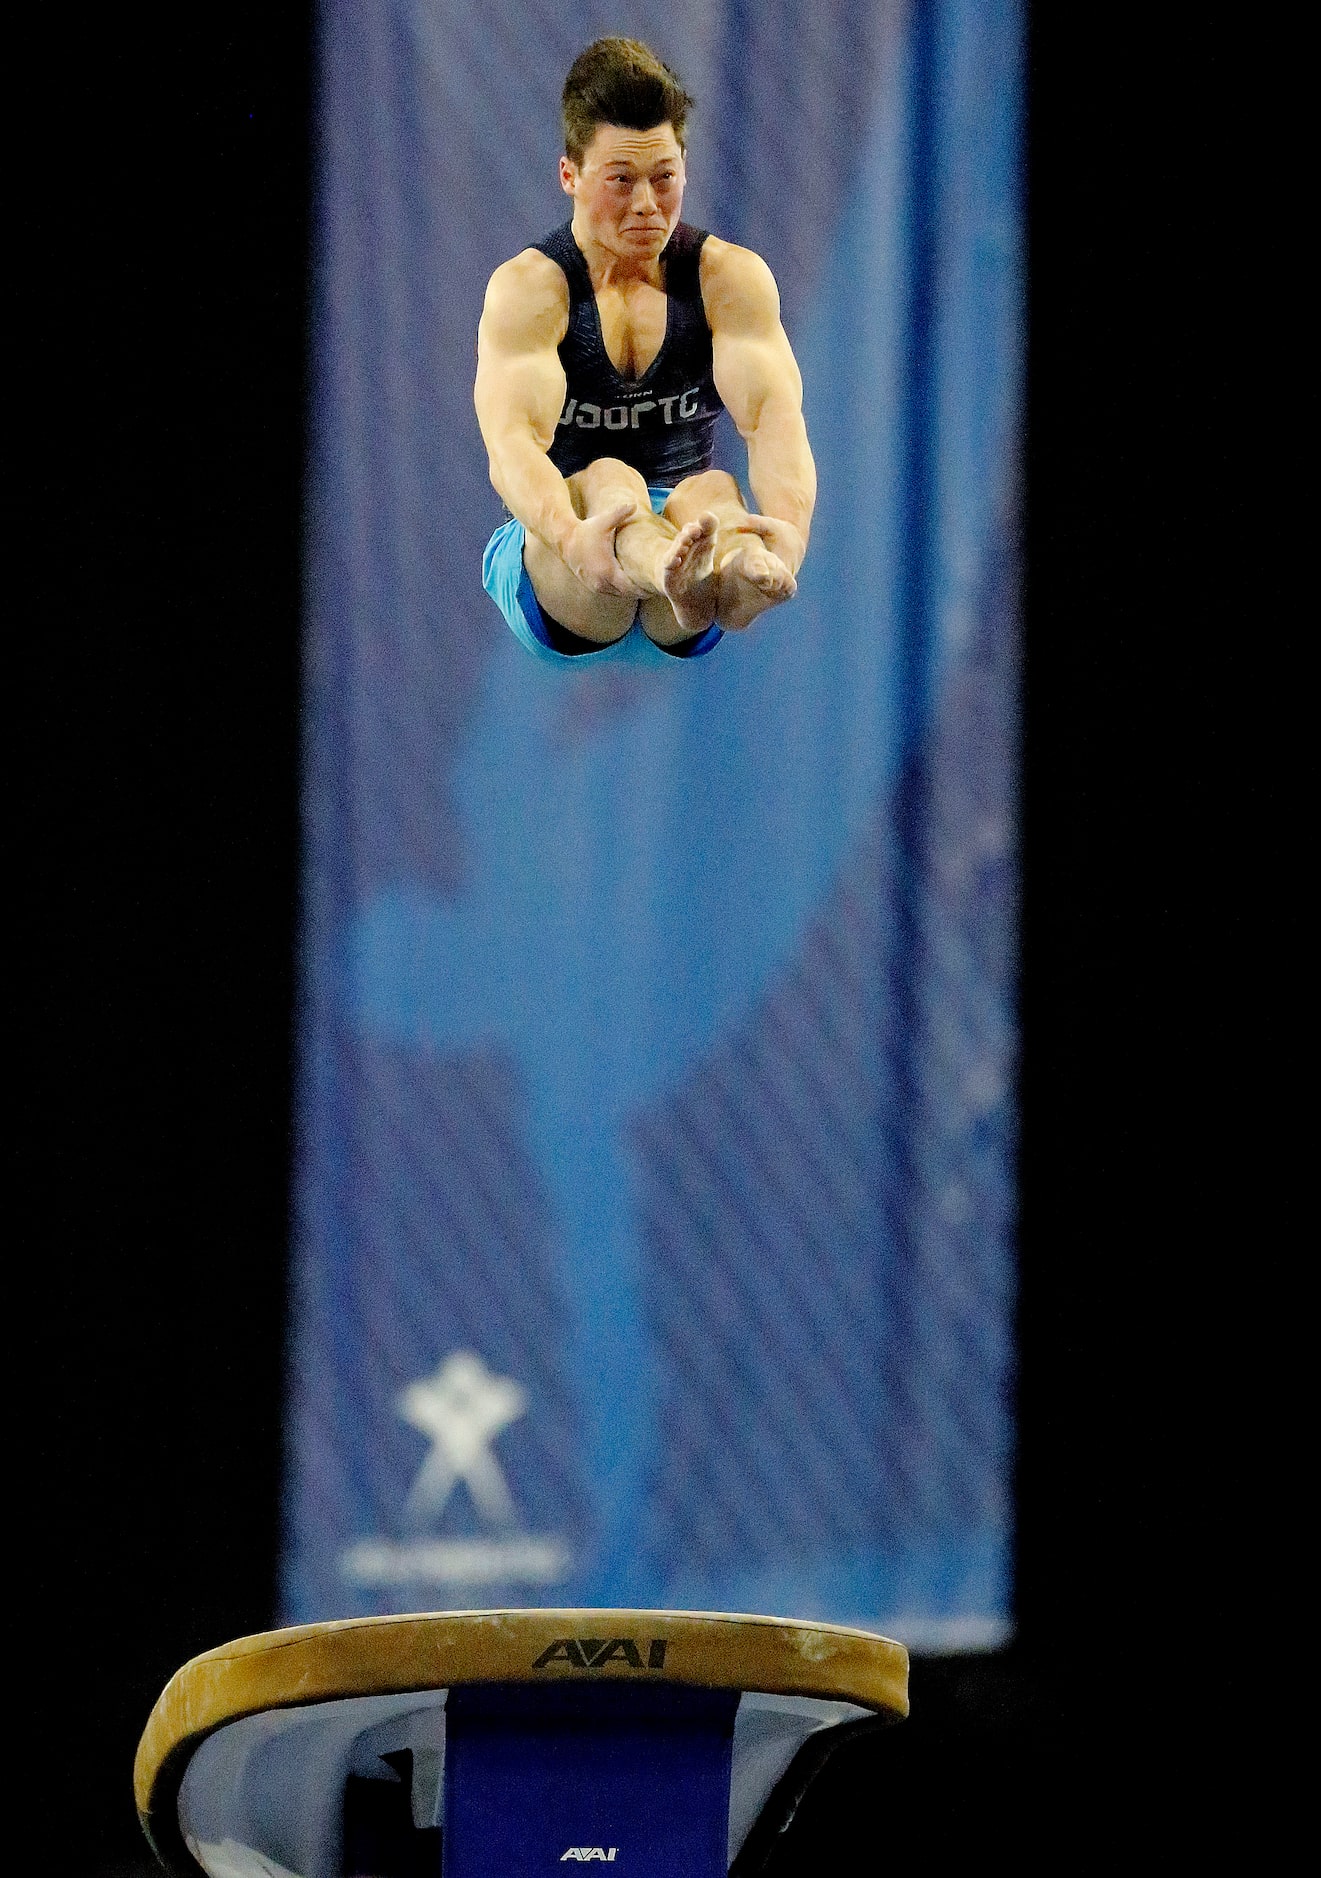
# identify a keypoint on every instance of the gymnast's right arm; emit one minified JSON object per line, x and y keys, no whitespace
{"x":519,"y":395}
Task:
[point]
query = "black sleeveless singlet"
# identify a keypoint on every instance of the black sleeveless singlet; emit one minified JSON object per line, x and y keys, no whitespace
{"x":663,"y":423}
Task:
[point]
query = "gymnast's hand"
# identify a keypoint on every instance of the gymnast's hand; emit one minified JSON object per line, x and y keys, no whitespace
{"x":782,"y":538}
{"x":588,"y":551}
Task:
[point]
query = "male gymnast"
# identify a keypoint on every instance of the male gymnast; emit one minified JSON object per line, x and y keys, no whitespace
{"x":605,"y":355}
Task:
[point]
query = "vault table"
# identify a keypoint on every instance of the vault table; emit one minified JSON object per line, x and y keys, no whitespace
{"x":502,"y":1744}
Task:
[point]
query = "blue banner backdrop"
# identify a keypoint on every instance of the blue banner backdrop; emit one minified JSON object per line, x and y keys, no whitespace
{"x":655,"y":1134}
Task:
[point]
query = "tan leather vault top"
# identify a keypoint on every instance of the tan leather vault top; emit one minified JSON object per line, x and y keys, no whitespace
{"x":391,"y":1655}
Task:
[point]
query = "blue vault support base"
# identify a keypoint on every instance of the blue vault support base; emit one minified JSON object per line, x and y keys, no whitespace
{"x":538,"y":1777}
{"x":497,"y":1744}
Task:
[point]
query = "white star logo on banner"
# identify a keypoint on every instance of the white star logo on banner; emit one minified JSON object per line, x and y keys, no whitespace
{"x":461,"y":1409}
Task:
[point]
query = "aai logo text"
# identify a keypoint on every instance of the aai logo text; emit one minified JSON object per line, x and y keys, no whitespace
{"x":598,"y":1652}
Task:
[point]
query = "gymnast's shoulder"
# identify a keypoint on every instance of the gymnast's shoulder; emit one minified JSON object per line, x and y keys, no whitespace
{"x":735,"y":280}
{"x":527,"y":302}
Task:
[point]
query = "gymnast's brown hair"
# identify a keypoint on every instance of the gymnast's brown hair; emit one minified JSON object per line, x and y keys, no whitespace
{"x":620,"y":81}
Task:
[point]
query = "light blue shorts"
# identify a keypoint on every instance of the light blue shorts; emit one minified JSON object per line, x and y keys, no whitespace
{"x":506,"y":580}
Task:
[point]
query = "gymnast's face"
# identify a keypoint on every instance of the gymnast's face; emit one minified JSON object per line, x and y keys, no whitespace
{"x":627,"y":191}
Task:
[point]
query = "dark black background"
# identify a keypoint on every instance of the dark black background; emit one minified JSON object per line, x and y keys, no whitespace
{"x":167,"y":200}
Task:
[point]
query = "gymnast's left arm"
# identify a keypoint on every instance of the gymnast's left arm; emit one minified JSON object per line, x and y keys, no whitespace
{"x":757,"y":376}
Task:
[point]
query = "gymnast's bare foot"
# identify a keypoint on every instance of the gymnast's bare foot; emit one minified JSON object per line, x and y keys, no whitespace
{"x":686,"y":574}
{"x":751,"y":579}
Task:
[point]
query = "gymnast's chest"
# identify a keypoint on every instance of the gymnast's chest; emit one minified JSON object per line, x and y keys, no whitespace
{"x":633,"y":324}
